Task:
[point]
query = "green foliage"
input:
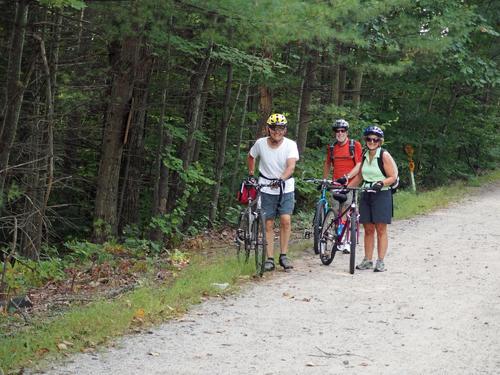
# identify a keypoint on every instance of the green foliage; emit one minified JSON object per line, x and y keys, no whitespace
{"x":31,"y":274}
{"x":14,"y":192}
{"x":140,"y":247}
{"x":75,"y":4}
{"x":83,"y":251}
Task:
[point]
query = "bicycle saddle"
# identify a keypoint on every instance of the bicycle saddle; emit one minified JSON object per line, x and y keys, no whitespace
{"x":339,"y":197}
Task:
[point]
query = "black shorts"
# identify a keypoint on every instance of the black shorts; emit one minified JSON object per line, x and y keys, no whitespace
{"x":375,"y":208}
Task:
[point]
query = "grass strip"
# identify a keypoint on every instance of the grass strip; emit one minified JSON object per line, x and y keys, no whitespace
{"x":408,"y":204}
{"x":85,"y":327}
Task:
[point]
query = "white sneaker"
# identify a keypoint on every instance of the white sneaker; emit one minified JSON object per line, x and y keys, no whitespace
{"x":344,"y":247}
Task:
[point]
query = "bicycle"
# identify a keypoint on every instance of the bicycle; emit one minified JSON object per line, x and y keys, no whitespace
{"x":331,"y":239}
{"x":320,"y":211}
{"x":251,"y":232}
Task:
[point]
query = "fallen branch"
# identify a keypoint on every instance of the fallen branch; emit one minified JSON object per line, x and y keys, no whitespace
{"x":334,"y":355}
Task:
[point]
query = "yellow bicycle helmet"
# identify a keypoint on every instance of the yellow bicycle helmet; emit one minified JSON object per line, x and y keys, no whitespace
{"x":277,"y":119}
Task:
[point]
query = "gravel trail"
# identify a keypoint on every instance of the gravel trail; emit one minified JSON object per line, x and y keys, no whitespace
{"x":435,"y":311}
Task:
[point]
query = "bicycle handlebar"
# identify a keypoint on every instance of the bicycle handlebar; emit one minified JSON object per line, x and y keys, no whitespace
{"x":257,"y":185}
{"x":335,"y":186}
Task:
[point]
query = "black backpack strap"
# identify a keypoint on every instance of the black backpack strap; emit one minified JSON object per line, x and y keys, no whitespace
{"x":351,"y":148}
{"x":381,"y":162}
{"x":331,"y":146}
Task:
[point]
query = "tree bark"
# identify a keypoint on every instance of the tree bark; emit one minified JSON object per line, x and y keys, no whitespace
{"x":14,"y":90}
{"x":197,"y":83}
{"x":221,"y":149}
{"x":194,"y":115}
{"x":125,"y":56}
{"x":265,"y":103}
{"x":342,"y":85}
{"x":335,"y":96}
{"x":305,"y":116}
{"x":241,"y":128}
{"x":131,"y":186}
{"x":301,"y":96}
{"x":161,"y":190}
{"x":356,"y":95}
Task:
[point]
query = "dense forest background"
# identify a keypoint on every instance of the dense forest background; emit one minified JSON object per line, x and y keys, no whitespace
{"x":132,"y":119}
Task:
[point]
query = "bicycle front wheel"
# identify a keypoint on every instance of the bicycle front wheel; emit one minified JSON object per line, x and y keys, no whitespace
{"x":260,"y":244}
{"x":327,"y":242}
{"x":319,"y":217}
{"x":353,"y":237}
{"x":243,"y":238}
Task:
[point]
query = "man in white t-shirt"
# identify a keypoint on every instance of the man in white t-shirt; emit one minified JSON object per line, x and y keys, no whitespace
{"x":277,"y":157}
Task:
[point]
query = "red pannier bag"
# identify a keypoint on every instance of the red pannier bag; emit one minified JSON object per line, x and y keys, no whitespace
{"x":246,"y":192}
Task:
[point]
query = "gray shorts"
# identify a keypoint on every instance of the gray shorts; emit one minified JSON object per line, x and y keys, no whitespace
{"x":272,"y":206}
{"x":375,"y":208}
{"x":335,"y":204}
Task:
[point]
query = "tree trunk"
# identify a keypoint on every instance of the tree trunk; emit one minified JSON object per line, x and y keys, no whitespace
{"x":305,"y":116}
{"x":335,"y":92}
{"x":197,"y":83}
{"x":221,"y":149}
{"x":356,"y":95}
{"x":48,"y":140}
{"x":301,"y":96}
{"x":125,"y":57}
{"x":265,"y":108}
{"x":14,"y":90}
{"x":194,"y":115}
{"x":236,"y":164}
{"x":342,"y":85}
{"x":161,"y":194}
{"x":128,"y":212}
{"x":265,"y":103}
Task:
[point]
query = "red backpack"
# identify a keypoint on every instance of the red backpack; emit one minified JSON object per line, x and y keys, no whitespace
{"x":246,"y":192}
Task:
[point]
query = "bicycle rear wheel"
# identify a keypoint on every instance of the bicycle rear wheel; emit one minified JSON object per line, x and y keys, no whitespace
{"x":319,"y":217}
{"x":243,"y":238}
{"x":328,"y":239}
{"x":260,"y":244}
{"x":354,"y":238}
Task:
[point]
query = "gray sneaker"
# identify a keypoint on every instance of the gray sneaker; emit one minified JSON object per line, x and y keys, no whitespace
{"x":365,"y":265}
{"x":379,"y":266}
{"x":269,"y":265}
{"x":285,"y":262}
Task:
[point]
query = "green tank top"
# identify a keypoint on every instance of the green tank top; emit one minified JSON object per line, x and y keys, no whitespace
{"x":370,"y":171}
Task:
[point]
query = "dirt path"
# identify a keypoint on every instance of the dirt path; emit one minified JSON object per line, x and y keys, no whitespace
{"x":435,"y":311}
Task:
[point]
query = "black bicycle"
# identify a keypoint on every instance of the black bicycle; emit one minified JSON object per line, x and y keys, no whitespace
{"x":332,"y":240}
{"x":251,"y":232}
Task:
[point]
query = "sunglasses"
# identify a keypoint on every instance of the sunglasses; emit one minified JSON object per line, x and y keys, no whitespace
{"x":372,"y":140}
{"x":340,"y":130}
{"x":277,"y":128}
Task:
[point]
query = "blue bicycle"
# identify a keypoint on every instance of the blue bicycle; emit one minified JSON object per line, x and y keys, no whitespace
{"x":321,"y":209}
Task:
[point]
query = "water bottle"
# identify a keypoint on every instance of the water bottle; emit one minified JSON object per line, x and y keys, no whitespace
{"x":340,"y":228}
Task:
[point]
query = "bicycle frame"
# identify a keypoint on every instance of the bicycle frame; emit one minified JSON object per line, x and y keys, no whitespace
{"x":323,"y":201}
{"x":331,"y":240}
{"x":349,"y":212}
{"x":252,"y":235}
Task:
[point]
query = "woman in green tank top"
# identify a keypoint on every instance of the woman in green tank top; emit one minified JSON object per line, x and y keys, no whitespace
{"x":375,"y":208}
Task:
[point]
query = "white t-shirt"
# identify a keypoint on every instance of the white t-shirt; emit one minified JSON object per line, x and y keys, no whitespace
{"x":272,"y":162}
